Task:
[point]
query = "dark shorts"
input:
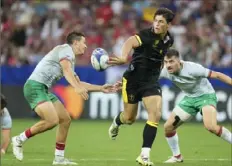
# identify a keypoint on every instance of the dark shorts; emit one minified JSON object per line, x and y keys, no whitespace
{"x":139,"y":84}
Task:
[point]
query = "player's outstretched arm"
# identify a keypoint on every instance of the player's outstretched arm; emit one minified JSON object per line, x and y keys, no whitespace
{"x":220,"y":76}
{"x":70,"y":77}
{"x":107,"y":88}
{"x":130,"y":43}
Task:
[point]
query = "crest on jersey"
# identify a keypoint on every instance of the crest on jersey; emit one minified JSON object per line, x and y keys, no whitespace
{"x":131,"y":97}
{"x":155,"y":43}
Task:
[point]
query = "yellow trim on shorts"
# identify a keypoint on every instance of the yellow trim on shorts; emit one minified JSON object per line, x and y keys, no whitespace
{"x":139,"y":40}
{"x":152,"y":123}
{"x":124,"y":93}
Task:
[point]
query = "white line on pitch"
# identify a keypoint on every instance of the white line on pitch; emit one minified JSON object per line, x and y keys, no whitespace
{"x":102,"y":159}
{"x":119,"y":159}
{"x":208,"y":159}
{"x":93,"y":159}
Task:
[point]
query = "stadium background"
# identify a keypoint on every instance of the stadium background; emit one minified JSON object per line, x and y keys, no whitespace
{"x":30,"y":28}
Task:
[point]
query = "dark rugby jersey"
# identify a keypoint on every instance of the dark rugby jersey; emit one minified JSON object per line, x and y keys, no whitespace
{"x":150,"y":53}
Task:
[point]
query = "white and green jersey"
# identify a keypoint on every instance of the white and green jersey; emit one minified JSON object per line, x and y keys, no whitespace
{"x":49,"y":71}
{"x":192,"y":79}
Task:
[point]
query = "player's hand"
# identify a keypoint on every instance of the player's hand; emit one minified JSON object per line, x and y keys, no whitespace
{"x":83,"y":92}
{"x":108,"y":88}
{"x":118,"y":85}
{"x":116,"y":60}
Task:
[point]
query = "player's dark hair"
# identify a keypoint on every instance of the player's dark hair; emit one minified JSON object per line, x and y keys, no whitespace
{"x":166,"y":13}
{"x":74,"y":36}
{"x":172,"y":52}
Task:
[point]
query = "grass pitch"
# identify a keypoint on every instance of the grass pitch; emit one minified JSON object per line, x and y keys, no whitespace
{"x":89,"y":145}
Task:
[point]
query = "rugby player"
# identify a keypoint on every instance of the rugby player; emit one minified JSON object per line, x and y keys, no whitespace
{"x":140,"y":81}
{"x":200,"y":96}
{"x":59,"y":62}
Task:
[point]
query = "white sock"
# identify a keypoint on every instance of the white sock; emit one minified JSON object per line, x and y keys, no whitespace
{"x":173,"y":143}
{"x":226,"y":135}
{"x":59,"y":153}
{"x":22,"y":137}
{"x":146,"y":152}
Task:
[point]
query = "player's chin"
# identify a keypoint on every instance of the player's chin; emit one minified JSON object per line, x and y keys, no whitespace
{"x":171,"y":71}
{"x":157,"y":31}
{"x":81,"y":54}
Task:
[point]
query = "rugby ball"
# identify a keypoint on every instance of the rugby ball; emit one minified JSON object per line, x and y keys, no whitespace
{"x":99,"y":59}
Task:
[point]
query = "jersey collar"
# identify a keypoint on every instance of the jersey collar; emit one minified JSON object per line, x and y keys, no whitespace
{"x":167,"y":37}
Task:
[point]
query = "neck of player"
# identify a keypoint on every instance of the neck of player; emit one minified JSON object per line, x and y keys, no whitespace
{"x":162,"y":35}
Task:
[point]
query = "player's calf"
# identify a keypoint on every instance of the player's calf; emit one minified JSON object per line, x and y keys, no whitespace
{"x":221,"y":132}
{"x":128,"y":116}
{"x":119,"y":120}
{"x":212,"y":128}
{"x":210,"y":122}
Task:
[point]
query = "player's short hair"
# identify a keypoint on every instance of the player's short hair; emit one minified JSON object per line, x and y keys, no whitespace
{"x":172,"y":52}
{"x":166,"y":13}
{"x":74,"y":36}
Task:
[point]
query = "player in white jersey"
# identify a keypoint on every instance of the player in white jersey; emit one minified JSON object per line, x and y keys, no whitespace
{"x":6,"y":124}
{"x":59,"y":62}
{"x":200,"y":96}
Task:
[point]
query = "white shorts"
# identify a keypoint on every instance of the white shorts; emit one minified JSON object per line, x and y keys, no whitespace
{"x":6,"y":122}
{"x":183,"y":115}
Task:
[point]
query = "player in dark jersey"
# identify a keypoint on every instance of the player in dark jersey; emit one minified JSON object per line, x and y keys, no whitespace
{"x":140,"y":81}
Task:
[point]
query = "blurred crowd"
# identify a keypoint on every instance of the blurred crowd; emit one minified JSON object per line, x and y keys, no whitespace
{"x":30,"y":28}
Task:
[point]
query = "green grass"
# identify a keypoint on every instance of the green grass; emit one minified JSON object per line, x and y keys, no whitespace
{"x":89,"y":145}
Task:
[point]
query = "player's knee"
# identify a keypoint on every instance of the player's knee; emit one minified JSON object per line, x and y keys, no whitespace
{"x":66,"y":120}
{"x":168,"y":127}
{"x":158,"y":115}
{"x":52,"y":123}
{"x":154,"y":115}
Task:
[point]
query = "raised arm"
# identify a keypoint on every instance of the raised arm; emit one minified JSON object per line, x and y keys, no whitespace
{"x":131,"y":42}
{"x":220,"y":76}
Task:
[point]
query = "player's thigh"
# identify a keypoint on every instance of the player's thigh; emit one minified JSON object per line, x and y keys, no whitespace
{"x":152,"y":100}
{"x":130,"y":98}
{"x":61,"y":112}
{"x":207,"y":104}
{"x":209,"y":114}
{"x":176,"y":119}
{"x":6,"y":121}
{"x":153,"y":106}
{"x":47,"y":112}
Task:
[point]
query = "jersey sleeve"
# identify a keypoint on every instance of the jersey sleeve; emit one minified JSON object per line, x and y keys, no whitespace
{"x":65,"y":53}
{"x":200,"y":71}
{"x":142,"y":37}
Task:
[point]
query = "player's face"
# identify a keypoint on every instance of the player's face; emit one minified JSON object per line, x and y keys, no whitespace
{"x":80,"y":46}
{"x":172,"y":64}
{"x":160,"y":25}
